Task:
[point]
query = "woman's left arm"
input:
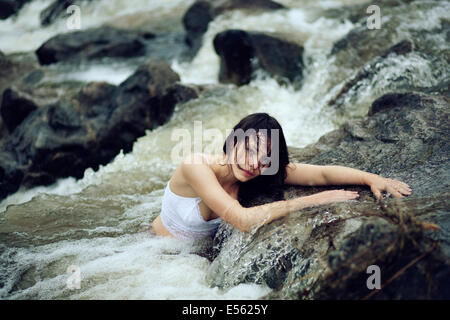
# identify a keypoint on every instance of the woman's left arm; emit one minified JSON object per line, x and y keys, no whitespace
{"x":314,"y":175}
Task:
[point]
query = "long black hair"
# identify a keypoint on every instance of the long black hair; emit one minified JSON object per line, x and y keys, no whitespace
{"x":263,"y":124}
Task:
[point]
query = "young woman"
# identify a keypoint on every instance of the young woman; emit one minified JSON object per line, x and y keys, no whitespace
{"x":204,"y":189}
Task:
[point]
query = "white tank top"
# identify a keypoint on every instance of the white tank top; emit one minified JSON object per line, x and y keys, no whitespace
{"x":182,"y":218}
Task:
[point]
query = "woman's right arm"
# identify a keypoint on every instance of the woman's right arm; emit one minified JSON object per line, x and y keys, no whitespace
{"x":262,"y":214}
{"x":202,"y":179}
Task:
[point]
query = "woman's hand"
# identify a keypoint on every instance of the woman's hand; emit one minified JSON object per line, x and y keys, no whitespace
{"x":331,"y":196}
{"x":397,"y":188}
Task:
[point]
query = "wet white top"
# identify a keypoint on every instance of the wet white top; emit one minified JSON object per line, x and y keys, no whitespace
{"x":182,"y":218}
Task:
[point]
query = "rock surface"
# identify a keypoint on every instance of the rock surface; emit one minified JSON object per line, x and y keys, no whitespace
{"x":93,"y":43}
{"x":242,"y":53}
{"x":363,"y":54}
{"x":87,"y":128}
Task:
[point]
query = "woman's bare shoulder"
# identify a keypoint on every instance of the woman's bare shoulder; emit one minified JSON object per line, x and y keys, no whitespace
{"x":179,"y":183}
{"x":191,"y":162}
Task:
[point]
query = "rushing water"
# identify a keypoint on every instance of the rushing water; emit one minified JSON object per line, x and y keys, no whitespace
{"x":99,"y":224}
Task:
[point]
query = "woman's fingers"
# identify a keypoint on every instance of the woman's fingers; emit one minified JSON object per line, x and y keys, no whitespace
{"x":351,"y":195}
{"x":399,"y":184}
{"x":398,"y":187}
{"x":376,"y":193}
{"x":405,"y":191}
{"x":338,"y":195}
{"x":347,"y":195}
{"x":393,"y":191}
{"x":395,"y":187}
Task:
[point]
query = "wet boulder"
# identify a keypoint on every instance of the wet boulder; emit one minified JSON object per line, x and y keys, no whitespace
{"x":325,"y":252}
{"x":242,"y":53}
{"x":93,"y":43}
{"x":202,"y":12}
{"x":29,"y":93}
{"x":369,"y":71}
{"x":362,"y":45}
{"x":88,"y":128}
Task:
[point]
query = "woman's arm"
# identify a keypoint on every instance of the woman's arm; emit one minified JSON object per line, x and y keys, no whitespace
{"x":202,"y":179}
{"x":313,"y":175}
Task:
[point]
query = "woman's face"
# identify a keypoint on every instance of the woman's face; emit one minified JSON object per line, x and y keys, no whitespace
{"x":248,"y":160}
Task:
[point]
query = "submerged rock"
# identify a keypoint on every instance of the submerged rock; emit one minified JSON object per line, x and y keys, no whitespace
{"x":243,"y":52}
{"x":324,"y":252}
{"x":89,"y":127}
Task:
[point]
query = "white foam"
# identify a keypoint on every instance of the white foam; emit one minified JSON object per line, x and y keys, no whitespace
{"x":113,"y":73}
{"x":129,"y":267}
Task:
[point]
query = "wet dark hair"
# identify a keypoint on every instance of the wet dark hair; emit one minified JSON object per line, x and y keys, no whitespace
{"x":262,"y":123}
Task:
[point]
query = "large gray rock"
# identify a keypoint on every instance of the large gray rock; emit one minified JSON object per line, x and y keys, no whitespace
{"x":369,"y":71}
{"x":357,"y":54}
{"x":26,"y":94}
{"x":242,"y":53}
{"x":324,"y":252}
{"x":89,"y":127}
{"x":93,"y":43}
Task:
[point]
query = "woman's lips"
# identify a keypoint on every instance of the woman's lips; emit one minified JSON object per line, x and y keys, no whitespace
{"x":247,"y":174}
